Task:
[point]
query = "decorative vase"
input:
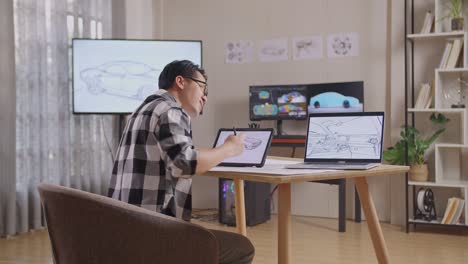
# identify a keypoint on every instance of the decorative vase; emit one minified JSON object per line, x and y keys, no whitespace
{"x":418,"y":172}
{"x":457,"y":24}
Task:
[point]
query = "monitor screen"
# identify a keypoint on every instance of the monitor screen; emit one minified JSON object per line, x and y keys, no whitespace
{"x":335,"y":97}
{"x":116,"y":76}
{"x":278,"y":102}
{"x":345,"y":136}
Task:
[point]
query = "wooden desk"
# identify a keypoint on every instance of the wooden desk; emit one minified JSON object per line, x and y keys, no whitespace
{"x":284,"y":201}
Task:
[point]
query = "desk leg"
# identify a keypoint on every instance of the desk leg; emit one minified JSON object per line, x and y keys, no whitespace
{"x":372,"y":220}
{"x":357,"y":207}
{"x":284,"y":223}
{"x":240,"y":207}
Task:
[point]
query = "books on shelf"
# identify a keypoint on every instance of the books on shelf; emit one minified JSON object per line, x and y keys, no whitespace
{"x":427,"y":23}
{"x":454,"y":54}
{"x":453,"y":211}
{"x":424,"y":98}
{"x":445,"y":55}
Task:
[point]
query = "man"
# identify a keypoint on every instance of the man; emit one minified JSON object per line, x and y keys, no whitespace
{"x":156,"y":158}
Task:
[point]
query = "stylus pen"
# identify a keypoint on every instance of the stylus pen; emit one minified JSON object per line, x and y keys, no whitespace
{"x":235,"y":133}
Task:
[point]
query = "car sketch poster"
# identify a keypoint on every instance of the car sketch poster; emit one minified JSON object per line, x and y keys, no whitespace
{"x":273,"y":50}
{"x":115,"y":76}
{"x":256,"y":143}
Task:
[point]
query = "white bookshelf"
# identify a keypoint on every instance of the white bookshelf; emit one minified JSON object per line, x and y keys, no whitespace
{"x":434,"y":222}
{"x":436,"y":110}
{"x":450,"y":156}
{"x":458,"y":117}
{"x":447,"y":184}
{"x":462,"y":186}
{"x":450,"y":163}
{"x":444,"y":35}
{"x":459,"y":70}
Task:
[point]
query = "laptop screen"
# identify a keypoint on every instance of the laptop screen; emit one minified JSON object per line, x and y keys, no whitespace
{"x":345,"y":137}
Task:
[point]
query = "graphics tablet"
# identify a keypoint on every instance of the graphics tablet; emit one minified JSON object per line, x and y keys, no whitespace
{"x":256,"y":145}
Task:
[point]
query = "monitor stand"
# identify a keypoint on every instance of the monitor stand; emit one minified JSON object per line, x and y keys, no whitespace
{"x":279,"y":127}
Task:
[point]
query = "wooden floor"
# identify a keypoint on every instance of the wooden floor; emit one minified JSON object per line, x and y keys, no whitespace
{"x":315,"y":240}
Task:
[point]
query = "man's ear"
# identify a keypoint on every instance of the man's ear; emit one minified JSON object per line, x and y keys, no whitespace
{"x":179,"y":82}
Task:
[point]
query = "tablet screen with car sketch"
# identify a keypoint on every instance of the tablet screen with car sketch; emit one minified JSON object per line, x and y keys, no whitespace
{"x":256,"y":145}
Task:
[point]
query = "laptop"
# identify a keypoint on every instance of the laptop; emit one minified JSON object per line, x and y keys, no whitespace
{"x":344,"y":141}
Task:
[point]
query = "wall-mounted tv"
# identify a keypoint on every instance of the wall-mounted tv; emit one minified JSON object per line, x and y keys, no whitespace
{"x":335,"y":97}
{"x":279,"y":102}
{"x":115,"y":76}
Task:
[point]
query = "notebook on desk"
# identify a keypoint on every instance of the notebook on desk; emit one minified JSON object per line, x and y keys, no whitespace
{"x":345,"y":141}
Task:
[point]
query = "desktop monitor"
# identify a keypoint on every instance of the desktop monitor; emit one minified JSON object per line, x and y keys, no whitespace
{"x":335,"y":97}
{"x":115,"y":76}
{"x":278,"y":102}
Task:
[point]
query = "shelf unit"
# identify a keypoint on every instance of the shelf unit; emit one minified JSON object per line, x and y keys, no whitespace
{"x":415,"y":37}
{"x":451,"y":154}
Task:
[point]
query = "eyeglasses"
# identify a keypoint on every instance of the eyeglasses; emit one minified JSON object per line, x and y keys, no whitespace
{"x":204,"y":87}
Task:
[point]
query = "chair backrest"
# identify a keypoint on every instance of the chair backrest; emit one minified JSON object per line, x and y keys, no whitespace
{"x":85,"y":228}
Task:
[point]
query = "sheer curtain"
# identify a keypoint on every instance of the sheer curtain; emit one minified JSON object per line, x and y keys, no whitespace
{"x":52,"y":144}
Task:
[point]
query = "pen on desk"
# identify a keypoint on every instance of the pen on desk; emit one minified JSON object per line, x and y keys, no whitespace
{"x":235,"y":133}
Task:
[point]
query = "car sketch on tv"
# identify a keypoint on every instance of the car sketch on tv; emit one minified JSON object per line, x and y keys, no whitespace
{"x":128,"y":79}
{"x":335,"y":139}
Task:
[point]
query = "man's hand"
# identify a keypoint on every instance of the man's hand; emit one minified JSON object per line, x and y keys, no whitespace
{"x":235,"y":144}
{"x":207,"y":159}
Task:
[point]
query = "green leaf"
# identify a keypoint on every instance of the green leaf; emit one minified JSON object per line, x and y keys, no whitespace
{"x":394,"y":155}
{"x":431,"y":140}
{"x":412,"y":142}
{"x":439,"y":118}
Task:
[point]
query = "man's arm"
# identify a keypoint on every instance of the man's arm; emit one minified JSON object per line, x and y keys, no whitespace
{"x":208,"y":158}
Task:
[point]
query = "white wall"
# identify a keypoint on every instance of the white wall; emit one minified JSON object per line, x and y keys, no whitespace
{"x":217,"y":22}
{"x":139,"y":19}
{"x":396,"y":100}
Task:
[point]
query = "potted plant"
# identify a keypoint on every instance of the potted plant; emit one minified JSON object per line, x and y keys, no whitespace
{"x":417,"y":147}
{"x":454,"y":10}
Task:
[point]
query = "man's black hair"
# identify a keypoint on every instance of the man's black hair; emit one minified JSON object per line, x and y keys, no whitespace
{"x":184,"y":68}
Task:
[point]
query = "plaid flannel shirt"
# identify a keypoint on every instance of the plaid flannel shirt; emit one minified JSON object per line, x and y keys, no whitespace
{"x":156,"y":158}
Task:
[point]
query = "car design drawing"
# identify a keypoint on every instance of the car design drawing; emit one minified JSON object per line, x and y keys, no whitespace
{"x":130,"y":79}
{"x":292,"y":104}
{"x":335,"y":101}
{"x":333,"y":139}
{"x":291,"y":109}
{"x":265,"y":109}
{"x":264,"y":95}
{"x":251,"y":143}
{"x":292,"y":97}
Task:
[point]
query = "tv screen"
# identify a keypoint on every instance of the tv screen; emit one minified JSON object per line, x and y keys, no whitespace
{"x":278,"y":102}
{"x":115,"y":76}
{"x":336,"y":97}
